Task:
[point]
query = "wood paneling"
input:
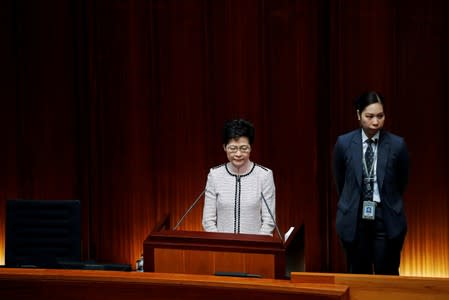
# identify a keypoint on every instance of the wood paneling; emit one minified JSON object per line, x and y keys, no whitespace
{"x":205,"y":262}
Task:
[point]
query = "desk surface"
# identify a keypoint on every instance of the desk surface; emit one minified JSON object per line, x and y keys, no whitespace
{"x":88,"y":284}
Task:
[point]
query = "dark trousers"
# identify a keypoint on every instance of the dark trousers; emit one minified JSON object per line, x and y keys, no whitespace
{"x":372,"y":252}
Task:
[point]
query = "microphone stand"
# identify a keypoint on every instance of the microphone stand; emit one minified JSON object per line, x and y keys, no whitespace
{"x":190,"y":208}
{"x":271,"y":214}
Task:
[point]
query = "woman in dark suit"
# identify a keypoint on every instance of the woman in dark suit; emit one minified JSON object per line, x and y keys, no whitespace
{"x":370,"y":167}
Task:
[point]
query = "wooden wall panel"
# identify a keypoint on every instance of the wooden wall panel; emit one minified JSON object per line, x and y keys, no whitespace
{"x":397,"y":48}
{"x":39,"y":108}
{"x":422,"y":82}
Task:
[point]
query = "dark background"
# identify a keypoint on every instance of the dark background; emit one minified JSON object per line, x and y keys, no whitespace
{"x":120,"y":104}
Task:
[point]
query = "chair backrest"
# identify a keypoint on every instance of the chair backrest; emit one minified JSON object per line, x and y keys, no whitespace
{"x":42,"y":233}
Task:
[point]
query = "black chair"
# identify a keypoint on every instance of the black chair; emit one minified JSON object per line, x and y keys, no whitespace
{"x":42,"y":233}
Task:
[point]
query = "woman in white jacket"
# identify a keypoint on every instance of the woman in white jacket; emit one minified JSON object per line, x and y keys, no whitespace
{"x":236,"y":191}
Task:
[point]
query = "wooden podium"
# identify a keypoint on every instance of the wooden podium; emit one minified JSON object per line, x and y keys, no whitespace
{"x":208,"y":253}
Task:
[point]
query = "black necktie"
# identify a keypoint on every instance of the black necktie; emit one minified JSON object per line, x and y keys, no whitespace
{"x":369,"y":171}
{"x":369,"y":156}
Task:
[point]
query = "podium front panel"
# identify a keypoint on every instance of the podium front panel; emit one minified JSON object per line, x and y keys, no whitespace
{"x":207,"y":253}
{"x":210,"y":262}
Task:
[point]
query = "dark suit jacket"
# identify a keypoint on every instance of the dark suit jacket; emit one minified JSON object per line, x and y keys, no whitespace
{"x":392,"y":176}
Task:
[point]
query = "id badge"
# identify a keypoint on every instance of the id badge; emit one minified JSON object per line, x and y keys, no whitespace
{"x":369,"y":210}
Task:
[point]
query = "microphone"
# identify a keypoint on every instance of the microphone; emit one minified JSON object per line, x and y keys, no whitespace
{"x":272,"y":218}
{"x":188,"y":210}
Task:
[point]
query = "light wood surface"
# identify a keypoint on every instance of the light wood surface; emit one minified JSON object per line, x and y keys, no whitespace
{"x":374,"y":287}
{"x":47,"y":284}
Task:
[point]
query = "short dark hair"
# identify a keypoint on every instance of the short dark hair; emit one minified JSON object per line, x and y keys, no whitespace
{"x":237,"y":128}
{"x":368,"y":98}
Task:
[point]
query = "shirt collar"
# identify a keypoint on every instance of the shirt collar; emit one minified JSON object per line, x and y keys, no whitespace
{"x":365,"y":137}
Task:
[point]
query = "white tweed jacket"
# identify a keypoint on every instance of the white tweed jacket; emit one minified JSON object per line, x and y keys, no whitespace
{"x":234,"y":203}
